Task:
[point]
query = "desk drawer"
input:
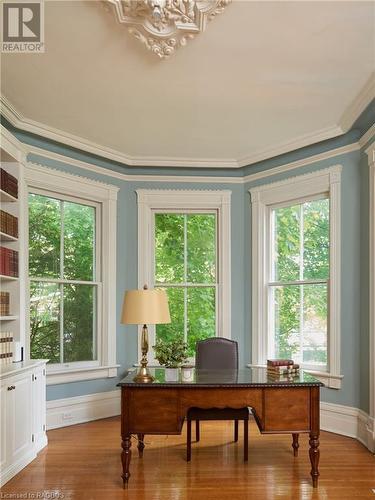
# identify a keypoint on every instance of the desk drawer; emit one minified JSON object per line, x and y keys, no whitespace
{"x":153,"y":411}
{"x":286,"y":410}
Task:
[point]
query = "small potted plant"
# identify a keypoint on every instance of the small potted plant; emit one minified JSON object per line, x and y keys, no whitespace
{"x":172,"y":355}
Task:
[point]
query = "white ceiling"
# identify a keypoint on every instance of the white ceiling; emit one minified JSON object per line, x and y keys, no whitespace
{"x":264,"y":78}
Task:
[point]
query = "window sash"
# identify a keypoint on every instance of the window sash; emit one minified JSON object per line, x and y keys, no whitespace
{"x":271,"y":322}
{"x":272,"y":284}
{"x":185,"y":285}
{"x":98,"y":301}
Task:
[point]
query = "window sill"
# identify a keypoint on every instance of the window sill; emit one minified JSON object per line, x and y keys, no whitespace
{"x":75,"y":375}
{"x":328,"y":379}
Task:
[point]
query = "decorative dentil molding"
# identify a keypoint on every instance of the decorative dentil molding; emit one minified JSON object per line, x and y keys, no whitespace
{"x":163,"y":26}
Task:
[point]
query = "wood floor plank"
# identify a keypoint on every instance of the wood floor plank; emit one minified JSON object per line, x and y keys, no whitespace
{"x":82,"y":462}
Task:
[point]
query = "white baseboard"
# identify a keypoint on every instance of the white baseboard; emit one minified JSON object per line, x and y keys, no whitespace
{"x":348,"y":421}
{"x":79,"y":409}
{"x":16,"y":467}
{"x":339,"y":419}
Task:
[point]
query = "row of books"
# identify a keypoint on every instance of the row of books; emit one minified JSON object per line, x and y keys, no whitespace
{"x":6,"y":348}
{"x":282,"y":369}
{"x":9,"y":184}
{"x":4,"y":303}
{"x":8,"y":224}
{"x":8,"y":262}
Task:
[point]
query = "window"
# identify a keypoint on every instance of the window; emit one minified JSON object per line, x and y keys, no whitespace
{"x":298,"y":282}
{"x":72,"y":274}
{"x":185,"y":265}
{"x":64,"y":269}
{"x":296,"y":272}
{"x":184,"y":247}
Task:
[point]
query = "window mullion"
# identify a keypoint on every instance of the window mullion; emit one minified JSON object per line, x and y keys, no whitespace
{"x":61,"y":323}
{"x":62,"y":230}
{"x":185,"y":278}
{"x":301,"y":294}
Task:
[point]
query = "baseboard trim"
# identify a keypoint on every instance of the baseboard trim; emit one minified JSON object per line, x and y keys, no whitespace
{"x":339,"y":419}
{"x":79,"y":409}
{"x":16,"y":467}
{"x":348,"y":421}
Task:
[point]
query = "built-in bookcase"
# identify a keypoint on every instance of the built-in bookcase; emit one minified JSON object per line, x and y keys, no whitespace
{"x":12,"y":160}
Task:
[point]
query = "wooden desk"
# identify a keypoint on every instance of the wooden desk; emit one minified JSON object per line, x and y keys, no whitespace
{"x":278,"y":407}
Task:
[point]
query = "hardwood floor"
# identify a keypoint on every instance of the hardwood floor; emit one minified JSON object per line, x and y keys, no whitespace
{"x":83,"y":462}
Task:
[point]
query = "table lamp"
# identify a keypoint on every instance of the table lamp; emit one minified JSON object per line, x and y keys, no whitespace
{"x":142,"y":307}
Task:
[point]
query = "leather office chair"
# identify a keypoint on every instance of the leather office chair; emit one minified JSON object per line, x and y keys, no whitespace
{"x":217,"y":354}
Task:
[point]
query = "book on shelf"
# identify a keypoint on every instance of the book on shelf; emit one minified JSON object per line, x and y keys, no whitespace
{"x":8,"y":262}
{"x":8,"y":224}
{"x":6,"y":348}
{"x":8,"y":183}
{"x":4,"y":303}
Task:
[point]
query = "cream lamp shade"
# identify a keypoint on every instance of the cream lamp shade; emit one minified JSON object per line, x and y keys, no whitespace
{"x":142,"y":307}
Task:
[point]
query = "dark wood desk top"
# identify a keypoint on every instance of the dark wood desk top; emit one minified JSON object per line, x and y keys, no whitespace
{"x":249,"y":377}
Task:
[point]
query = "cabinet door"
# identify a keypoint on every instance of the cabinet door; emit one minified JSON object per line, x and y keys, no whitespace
{"x":4,"y":425}
{"x":39,"y":404}
{"x":20,"y":412}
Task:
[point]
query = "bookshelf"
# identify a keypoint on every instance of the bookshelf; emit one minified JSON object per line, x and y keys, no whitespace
{"x":12,"y":160}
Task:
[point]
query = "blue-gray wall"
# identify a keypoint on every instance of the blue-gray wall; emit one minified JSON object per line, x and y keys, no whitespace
{"x":354,"y":310}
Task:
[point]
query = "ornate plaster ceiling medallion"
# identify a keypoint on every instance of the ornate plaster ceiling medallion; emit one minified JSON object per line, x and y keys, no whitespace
{"x":165,"y":25}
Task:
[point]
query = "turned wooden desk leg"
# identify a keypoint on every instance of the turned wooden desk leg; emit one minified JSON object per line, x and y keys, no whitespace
{"x":125,"y":458}
{"x":295,"y":444}
{"x":314,"y":457}
{"x":236,"y":431}
{"x":141,"y":444}
{"x":197,"y":431}
{"x":188,"y":441}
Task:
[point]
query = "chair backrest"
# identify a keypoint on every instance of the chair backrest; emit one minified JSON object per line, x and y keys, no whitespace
{"x":217,"y":354}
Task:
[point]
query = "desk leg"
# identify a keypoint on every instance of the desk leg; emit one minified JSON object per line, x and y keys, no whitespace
{"x":314,"y":457}
{"x":295,"y":444}
{"x":125,"y":458}
{"x":141,"y":444}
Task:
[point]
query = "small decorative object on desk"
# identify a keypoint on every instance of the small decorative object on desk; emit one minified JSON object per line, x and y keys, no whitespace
{"x":172,"y":355}
{"x":6,"y":348}
{"x":282,"y":369}
{"x":187,"y":373}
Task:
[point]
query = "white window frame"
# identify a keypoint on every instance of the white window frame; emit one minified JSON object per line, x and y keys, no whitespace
{"x":66,"y":186}
{"x":327,"y":183}
{"x":151,"y":201}
{"x":370,"y":151}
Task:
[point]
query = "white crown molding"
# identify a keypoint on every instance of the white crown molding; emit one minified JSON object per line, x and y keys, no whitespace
{"x":23,"y":123}
{"x":14,"y":149}
{"x":193,"y":179}
{"x":367,"y":136}
{"x":286,"y":147}
{"x":358,"y":105}
{"x":303,"y":162}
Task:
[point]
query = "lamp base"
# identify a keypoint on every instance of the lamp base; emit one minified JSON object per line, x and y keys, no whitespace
{"x":143,"y":376}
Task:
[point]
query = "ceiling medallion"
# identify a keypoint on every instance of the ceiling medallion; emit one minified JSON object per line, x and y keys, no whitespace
{"x":165,"y":25}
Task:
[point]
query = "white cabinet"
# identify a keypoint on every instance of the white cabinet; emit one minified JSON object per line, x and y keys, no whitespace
{"x":39,"y":410}
{"x":22,"y":413}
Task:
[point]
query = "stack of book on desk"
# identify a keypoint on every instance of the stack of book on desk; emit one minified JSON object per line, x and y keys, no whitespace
{"x":282,"y":369}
